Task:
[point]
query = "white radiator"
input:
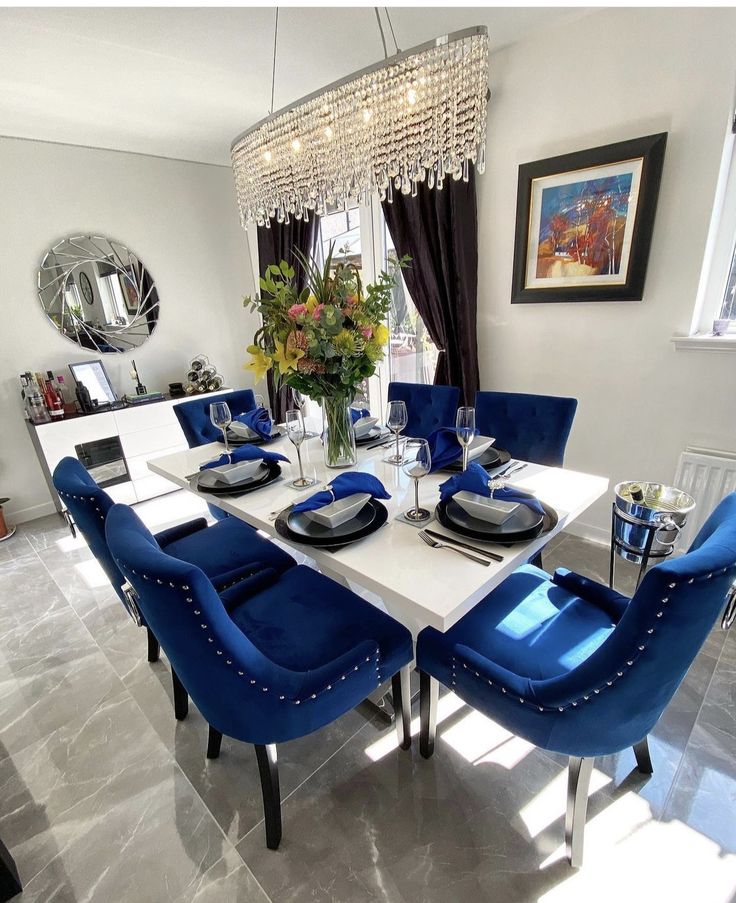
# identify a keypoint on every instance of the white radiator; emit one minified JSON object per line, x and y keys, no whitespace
{"x":708,"y":475}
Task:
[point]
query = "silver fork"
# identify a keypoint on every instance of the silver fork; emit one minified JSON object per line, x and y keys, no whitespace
{"x":435,"y":544}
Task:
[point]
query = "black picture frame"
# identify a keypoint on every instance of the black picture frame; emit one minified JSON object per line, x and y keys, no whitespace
{"x":635,"y":239}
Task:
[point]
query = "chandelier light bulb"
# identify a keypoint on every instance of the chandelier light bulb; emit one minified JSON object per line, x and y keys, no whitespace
{"x":418,"y":116}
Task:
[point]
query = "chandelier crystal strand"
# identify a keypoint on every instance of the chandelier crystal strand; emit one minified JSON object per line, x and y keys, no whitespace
{"x":418,"y":115}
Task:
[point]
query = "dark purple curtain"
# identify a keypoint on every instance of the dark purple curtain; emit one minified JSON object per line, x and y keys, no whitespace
{"x":274,"y":245}
{"x":439,"y":231}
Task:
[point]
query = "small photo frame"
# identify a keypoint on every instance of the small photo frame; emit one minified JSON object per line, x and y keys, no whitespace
{"x":584,"y":223}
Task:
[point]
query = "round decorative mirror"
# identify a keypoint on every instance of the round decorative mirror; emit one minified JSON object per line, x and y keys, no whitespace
{"x":98,"y":294}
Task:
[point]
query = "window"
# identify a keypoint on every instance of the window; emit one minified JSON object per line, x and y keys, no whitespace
{"x":361,"y":236}
{"x":716,"y":298}
{"x":728,"y":307}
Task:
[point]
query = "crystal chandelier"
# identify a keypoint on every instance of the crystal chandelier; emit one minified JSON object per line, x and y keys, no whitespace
{"x":417,"y":115}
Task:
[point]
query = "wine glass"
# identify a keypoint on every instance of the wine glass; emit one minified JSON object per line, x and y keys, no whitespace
{"x":221,"y":418}
{"x":301,"y":402}
{"x":417,"y":464}
{"x":296,"y":433}
{"x":396,"y":420}
{"x":465,"y":426}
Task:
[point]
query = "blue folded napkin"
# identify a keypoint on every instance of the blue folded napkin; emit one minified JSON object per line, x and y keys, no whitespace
{"x":343,"y":486}
{"x":444,"y":447}
{"x":244,"y":453}
{"x":258,"y":421}
{"x":476,"y":479}
{"x":359,"y":413}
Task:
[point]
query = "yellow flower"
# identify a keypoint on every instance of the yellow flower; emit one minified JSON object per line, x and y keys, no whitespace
{"x":285,"y":357}
{"x":311,"y":303}
{"x":380,"y":334}
{"x":260,"y":362}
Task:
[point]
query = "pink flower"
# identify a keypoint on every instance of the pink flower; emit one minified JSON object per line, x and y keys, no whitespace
{"x":297,"y":310}
{"x":367,"y":332}
{"x":317,"y":311}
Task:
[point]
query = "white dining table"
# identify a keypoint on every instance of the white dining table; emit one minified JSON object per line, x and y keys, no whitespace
{"x":418,"y":585}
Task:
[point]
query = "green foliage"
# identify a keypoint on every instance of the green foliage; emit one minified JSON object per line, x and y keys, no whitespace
{"x":329,"y":336}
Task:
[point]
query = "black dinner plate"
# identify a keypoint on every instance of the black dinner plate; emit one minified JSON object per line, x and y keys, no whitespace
{"x":236,"y":441}
{"x":329,"y":541}
{"x":373,"y":436}
{"x":491,"y":457}
{"x":272,"y":472}
{"x":521,"y":527}
{"x":303,"y":525}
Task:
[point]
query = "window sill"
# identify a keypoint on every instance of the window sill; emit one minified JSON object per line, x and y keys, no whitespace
{"x":705,"y":342}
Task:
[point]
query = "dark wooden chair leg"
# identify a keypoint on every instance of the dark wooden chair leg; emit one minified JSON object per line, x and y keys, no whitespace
{"x":214,"y":742}
{"x":153,"y":646}
{"x":401,"y":693}
{"x":429,"y":692}
{"x":643,"y":759}
{"x":578,"y":782}
{"x":9,"y":881}
{"x":269,"y":771}
{"x":181,"y":697}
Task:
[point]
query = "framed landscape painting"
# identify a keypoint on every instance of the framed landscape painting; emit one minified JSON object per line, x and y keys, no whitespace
{"x":584,"y":223}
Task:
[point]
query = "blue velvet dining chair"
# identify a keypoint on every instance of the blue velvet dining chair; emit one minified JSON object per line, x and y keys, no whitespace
{"x":194,"y":415}
{"x":577,"y":668}
{"x":198,"y":429}
{"x":427,"y":406}
{"x":227,"y":551}
{"x":531,"y":427}
{"x":266,"y":661}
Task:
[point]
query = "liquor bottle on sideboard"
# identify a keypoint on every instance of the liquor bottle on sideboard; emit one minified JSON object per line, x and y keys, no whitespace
{"x":53,"y":402}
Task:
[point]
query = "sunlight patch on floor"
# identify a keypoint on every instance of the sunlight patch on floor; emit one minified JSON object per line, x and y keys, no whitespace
{"x":481,"y":741}
{"x":630,"y":856}
{"x":92,"y":574}
{"x":549,"y":804}
{"x":447,"y":706}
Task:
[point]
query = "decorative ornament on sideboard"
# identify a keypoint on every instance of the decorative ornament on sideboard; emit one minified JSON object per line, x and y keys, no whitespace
{"x":202,"y":376}
{"x":417,"y":115}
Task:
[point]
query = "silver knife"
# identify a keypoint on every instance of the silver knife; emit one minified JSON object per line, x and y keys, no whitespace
{"x":451,"y":539}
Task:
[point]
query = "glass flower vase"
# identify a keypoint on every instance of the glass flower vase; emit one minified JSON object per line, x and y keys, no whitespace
{"x":338,"y":436}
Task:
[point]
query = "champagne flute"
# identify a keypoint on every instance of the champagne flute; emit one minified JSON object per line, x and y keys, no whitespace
{"x":221,"y":418}
{"x":465,"y":426}
{"x":417,"y":464}
{"x":296,"y":433}
{"x":396,"y":420}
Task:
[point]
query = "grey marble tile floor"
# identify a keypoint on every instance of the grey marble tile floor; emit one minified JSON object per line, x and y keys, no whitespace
{"x":105,"y":797}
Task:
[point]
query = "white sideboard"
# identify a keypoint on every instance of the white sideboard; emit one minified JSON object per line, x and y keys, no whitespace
{"x":144,"y":433}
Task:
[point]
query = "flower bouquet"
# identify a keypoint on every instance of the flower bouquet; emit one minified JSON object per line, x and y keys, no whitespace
{"x":323,"y":341}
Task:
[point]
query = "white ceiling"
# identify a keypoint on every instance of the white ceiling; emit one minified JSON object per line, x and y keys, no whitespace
{"x":182,"y":82}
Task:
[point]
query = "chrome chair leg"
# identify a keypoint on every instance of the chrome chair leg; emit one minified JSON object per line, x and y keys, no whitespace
{"x":181,"y":697}
{"x":578,"y":782}
{"x":153,"y":646}
{"x":269,"y":772}
{"x":429,"y":692}
{"x":401,"y":694}
{"x":214,"y":742}
{"x":643,"y":758}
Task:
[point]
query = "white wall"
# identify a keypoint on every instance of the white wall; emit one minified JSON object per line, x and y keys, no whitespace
{"x":613,"y":75}
{"x":180,"y":218}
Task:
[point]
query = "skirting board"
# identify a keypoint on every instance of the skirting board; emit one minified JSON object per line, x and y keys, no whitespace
{"x":23,"y":515}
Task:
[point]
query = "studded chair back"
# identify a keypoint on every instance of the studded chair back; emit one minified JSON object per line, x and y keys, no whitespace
{"x":194,"y":415}
{"x":238,"y":689}
{"x":427,"y":407}
{"x":531,"y":427}
{"x":89,"y":506}
{"x":615,"y":697}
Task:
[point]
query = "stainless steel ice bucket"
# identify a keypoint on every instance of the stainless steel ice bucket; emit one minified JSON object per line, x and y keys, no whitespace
{"x":655,"y":504}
